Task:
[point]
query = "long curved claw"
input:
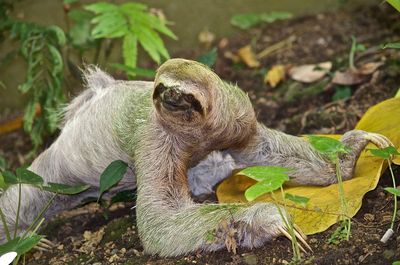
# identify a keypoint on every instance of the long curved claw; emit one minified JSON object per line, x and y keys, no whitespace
{"x":299,"y":235}
{"x":45,"y":245}
{"x":379,"y":140}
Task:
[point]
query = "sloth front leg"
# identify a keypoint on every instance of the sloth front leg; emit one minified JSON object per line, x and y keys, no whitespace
{"x":272,"y":148}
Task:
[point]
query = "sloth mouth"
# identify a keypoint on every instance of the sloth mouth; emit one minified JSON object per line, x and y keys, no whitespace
{"x":174,"y":100}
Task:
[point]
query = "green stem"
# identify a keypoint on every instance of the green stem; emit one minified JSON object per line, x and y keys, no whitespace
{"x":352,"y":52}
{"x":3,"y":220}
{"x":395,"y":197}
{"x":342,"y":197}
{"x":39,"y":215}
{"x":18,"y":208}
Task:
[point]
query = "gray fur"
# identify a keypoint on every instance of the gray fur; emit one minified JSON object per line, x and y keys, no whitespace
{"x":117,"y":120}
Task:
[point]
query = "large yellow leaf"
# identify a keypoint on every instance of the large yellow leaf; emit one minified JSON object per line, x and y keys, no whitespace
{"x":323,"y":209}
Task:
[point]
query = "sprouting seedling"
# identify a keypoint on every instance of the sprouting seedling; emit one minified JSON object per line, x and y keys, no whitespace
{"x":355,"y":47}
{"x":21,"y":244}
{"x":269,"y":179}
{"x":387,"y":154}
{"x":333,"y":148}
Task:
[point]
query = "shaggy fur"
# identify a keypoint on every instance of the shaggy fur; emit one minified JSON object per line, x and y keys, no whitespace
{"x":133,"y":121}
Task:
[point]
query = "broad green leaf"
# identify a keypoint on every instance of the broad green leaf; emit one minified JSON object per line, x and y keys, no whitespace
{"x":78,"y":15}
{"x":297,"y":199}
{"x":135,"y":71}
{"x":58,"y":33}
{"x":65,"y":189}
{"x":396,"y":263}
{"x":394,"y":45}
{"x":385,"y":153}
{"x":341,"y":92}
{"x":26,"y":176}
{"x":327,"y":146}
{"x":393,"y":191}
{"x":21,"y":246}
{"x":109,"y":25}
{"x":112,"y":175}
{"x":129,"y":7}
{"x":261,"y":173}
{"x":10,"y":178}
{"x":395,"y":4}
{"x":129,"y":50}
{"x":265,"y":186}
{"x":245,"y":21}
{"x":208,"y":58}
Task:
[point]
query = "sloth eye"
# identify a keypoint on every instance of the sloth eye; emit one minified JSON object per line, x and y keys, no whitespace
{"x":189,"y":98}
{"x":158,"y":90}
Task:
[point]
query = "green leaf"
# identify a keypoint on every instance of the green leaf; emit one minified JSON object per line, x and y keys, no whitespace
{"x":56,"y":60}
{"x":341,"y":92}
{"x":265,"y":186}
{"x":78,"y":15}
{"x":396,"y":263}
{"x":3,"y":184}
{"x":29,"y":115}
{"x":208,"y":58}
{"x":109,"y":25}
{"x":327,"y":146}
{"x":395,"y":4}
{"x":135,"y":71}
{"x":261,"y":173}
{"x":101,"y":7}
{"x":10,"y":178}
{"x":385,"y":153}
{"x":3,"y":163}
{"x":245,"y":21}
{"x":26,"y":176}
{"x":58,"y":34}
{"x":297,"y":199}
{"x":393,"y":45}
{"x":393,"y":191}
{"x":129,"y":50}
{"x":21,"y":246}
{"x":112,"y":175}
{"x":271,"y":17}
{"x":65,"y":189}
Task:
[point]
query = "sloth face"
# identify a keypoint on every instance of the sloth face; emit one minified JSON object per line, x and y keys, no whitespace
{"x":180,"y":105}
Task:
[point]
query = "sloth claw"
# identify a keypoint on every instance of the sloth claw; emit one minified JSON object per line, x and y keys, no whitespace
{"x":379,"y":140}
{"x":299,"y":235}
{"x":44,"y":245}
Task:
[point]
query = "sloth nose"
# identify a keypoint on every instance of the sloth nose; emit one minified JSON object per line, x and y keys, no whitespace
{"x":172,"y":96}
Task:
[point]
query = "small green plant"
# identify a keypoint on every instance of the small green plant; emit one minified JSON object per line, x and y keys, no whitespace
{"x":21,"y":244}
{"x":355,"y":47}
{"x":332,"y":149}
{"x":387,"y":154}
{"x":112,"y":175}
{"x":269,"y":179}
{"x":246,"y":21}
{"x":135,"y":25}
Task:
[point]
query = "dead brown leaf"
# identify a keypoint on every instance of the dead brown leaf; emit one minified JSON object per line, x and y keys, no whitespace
{"x":275,"y":75}
{"x":347,"y":78}
{"x":247,"y":55}
{"x":369,"y":68}
{"x":309,"y":73}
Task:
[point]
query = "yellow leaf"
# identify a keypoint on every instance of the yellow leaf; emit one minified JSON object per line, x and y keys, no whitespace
{"x":247,"y":55}
{"x":275,"y":75}
{"x":323,"y":209}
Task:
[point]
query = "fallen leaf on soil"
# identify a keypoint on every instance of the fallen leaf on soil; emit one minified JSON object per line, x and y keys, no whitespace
{"x":275,"y":75}
{"x":369,"y":68}
{"x":323,"y":209}
{"x":247,"y":55}
{"x":309,"y":73}
{"x":92,"y":239}
{"x":347,"y":78}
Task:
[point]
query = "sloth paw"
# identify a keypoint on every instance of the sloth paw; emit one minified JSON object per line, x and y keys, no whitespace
{"x":44,"y":245}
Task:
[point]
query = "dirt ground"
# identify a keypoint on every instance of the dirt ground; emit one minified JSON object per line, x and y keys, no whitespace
{"x":111,"y":236}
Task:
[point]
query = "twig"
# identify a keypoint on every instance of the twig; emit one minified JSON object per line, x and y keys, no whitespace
{"x":277,"y":46}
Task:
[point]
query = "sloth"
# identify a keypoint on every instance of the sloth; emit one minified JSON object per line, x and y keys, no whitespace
{"x":181,"y":135}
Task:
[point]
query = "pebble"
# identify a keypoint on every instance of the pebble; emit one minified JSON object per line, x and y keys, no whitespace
{"x":250,"y":259}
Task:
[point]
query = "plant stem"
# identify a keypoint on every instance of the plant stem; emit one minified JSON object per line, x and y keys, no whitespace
{"x":395,"y":197}
{"x":39,"y":215}
{"x":18,"y":208}
{"x":3,"y":220}
{"x":342,"y":197}
{"x":352,"y":52}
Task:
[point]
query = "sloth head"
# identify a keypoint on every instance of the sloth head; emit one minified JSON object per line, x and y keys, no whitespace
{"x":188,"y":96}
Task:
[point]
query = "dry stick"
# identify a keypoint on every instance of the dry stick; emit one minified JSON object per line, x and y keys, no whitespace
{"x":274,"y":47}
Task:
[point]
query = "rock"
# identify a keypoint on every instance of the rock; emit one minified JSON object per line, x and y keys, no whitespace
{"x":250,"y":259}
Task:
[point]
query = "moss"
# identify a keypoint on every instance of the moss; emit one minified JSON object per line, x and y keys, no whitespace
{"x":206,"y":209}
{"x":116,"y":228}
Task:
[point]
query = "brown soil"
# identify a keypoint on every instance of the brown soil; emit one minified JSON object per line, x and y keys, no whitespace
{"x":325,"y":37}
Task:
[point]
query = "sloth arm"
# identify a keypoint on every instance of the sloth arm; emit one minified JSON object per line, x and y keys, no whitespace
{"x":273,"y":148}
